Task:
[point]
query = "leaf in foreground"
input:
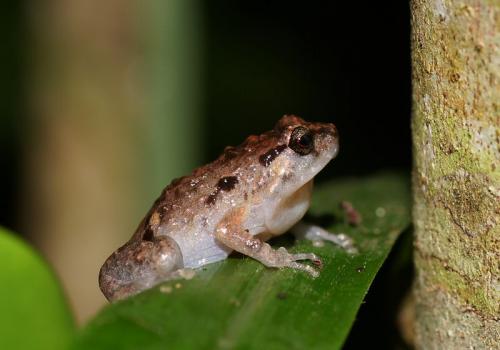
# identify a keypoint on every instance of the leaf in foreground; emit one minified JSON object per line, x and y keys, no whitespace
{"x":238,"y":303}
{"x":33,"y":311}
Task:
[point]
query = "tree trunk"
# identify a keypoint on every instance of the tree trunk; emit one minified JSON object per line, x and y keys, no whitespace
{"x":456,"y":70}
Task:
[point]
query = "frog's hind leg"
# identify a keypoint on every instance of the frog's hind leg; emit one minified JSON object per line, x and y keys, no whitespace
{"x":140,"y":265}
{"x":317,"y":235}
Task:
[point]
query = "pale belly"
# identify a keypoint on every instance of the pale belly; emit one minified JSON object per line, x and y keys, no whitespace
{"x":200,"y":249}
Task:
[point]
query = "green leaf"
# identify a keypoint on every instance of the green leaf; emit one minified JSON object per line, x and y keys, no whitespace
{"x":33,"y":311}
{"x":238,"y":303}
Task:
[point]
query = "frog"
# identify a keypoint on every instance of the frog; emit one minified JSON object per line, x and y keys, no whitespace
{"x":248,"y":195}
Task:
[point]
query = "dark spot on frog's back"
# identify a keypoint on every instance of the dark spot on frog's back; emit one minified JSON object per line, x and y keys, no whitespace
{"x":227,"y":183}
{"x":148,"y":235}
{"x":176,"y":181}
{"x":268,"y":157}
{"x":230,"y":152}
{"x":177,"y":193}
{"x":211,"y":198}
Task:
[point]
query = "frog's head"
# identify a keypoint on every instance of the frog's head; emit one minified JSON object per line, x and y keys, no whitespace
{"x":306,"y":148}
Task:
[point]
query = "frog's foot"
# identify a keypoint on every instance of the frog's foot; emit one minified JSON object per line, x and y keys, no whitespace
{"x":140,"y":265}
{"x":318,"y":235}
{"x":282,"y":258}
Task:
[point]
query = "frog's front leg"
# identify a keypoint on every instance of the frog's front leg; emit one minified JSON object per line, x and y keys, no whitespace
{"x":314,"y":233}
{"x":231,"y":233}
{"x":140,"y":265}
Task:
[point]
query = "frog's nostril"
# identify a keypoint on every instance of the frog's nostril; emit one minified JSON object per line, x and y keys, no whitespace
{"x":334,"y":130}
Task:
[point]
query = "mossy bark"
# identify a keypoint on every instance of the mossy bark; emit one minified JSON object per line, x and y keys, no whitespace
{"x":456,"y":177}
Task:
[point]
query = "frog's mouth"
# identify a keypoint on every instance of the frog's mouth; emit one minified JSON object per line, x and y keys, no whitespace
{"x":296,"y":171}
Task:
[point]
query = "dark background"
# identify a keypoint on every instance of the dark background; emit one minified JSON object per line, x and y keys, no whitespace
{"x":343,"y":62}
{"x":12,"y":111}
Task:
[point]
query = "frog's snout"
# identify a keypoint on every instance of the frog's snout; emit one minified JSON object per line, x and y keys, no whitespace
{"x":333,"y":130}
{"x":328,"y":129}
{"x":327,"y":139}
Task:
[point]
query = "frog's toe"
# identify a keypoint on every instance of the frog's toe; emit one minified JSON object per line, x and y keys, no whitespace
{"x":307,"y":256}
{"x":304,"y":267}
{"x":293,"y":258}
{"x":318,"y":235}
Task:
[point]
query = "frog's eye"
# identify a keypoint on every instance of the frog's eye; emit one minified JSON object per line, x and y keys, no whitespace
{"x":301,"y":140}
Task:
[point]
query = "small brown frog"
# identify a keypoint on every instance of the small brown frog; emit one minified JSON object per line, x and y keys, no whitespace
{"x":252,"y":192}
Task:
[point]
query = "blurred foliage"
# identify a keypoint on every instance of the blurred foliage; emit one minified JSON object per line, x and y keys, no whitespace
{"x":239,"y":303}
{"x":33,"y":311}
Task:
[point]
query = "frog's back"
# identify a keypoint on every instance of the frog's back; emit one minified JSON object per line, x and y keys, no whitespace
{"x":190,"y":207}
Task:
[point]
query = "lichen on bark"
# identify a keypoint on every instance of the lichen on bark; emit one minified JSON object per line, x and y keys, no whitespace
{"x":456,"y":177}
